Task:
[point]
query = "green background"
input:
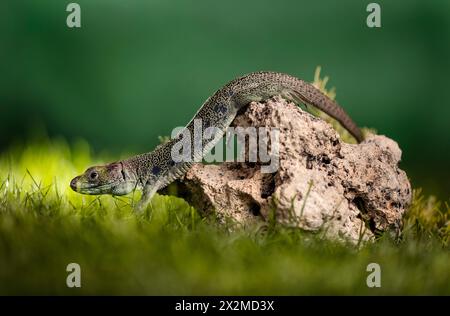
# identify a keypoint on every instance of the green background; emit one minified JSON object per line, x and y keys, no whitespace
{"x":136,"y":69}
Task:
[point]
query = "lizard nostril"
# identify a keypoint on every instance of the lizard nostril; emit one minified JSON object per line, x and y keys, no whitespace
{"x":73,"y":183}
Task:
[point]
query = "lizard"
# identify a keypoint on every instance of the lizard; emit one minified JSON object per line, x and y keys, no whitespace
{"x":156,"y":169}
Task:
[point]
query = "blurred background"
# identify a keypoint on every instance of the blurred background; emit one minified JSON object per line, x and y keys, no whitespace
{"x":136,"y":69}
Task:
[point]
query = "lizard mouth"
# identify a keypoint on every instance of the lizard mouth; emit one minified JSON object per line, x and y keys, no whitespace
{"x":97,"y":189}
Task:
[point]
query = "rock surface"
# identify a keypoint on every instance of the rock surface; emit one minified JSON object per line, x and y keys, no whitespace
{"x":347,"y":191}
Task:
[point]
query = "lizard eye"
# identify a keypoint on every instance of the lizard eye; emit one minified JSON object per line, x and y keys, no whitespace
{"x":93,"y":175}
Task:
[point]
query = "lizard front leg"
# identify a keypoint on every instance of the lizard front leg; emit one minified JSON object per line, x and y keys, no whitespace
{"x":148,"y":192}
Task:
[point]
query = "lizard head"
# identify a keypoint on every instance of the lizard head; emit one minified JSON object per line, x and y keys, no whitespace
{"x":109,"y":179}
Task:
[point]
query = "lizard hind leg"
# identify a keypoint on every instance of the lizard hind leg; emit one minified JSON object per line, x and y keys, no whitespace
{"x":295,"y":97}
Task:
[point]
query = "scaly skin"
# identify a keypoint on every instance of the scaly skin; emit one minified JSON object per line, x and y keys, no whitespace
{"x":156,"y":169}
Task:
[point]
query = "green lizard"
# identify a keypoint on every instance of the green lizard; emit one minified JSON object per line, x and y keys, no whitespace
{"x":156,"y":169}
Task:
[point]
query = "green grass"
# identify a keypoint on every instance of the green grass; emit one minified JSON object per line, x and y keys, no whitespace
{"x":172,"y":250}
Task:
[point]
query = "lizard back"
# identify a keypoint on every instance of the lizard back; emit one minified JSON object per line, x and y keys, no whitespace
{"x":158,"y":167}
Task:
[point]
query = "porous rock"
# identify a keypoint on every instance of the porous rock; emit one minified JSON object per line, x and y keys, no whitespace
{"x":347,"y":191}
